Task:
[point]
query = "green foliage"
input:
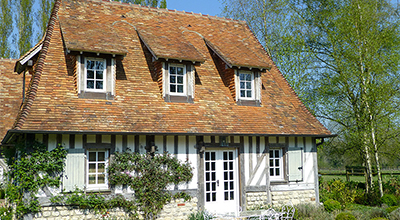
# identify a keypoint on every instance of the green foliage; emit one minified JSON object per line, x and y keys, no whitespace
{"x":331,"y":205}
{"x":96,"y":202}
{"x":389,"y":199}
{"x":200,"y":215}
{"x":379,"y":218}
{"x":24,"y":25}
{"x":44,"y":11}
{"x":310,"y":212}
{"x":148,"y":175}
{"x":391,"y":208}
{"x":338,"y":190}
{"x":345,"y":216}
{"x":32,"y":167}
{"x":6,"y":27}
{"x":182,"y":195}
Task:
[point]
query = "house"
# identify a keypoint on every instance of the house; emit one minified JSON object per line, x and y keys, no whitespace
{"x":111,"y":76}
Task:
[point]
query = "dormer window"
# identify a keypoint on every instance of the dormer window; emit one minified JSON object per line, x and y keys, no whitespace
{"x":248,"y":87}
{"x":96,"y":76}
{"x":178,"y":82}
{"x":177,"y":79}
{"x":95,"y":72}
{"x":246,"y":84}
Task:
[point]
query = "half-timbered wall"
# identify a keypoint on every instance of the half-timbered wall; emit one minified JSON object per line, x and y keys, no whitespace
{"x":298,"y":160}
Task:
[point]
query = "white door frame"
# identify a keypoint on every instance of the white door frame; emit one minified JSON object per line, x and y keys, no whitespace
{"x":221,"y":180}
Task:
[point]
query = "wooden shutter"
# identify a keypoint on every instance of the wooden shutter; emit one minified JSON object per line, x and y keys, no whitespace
{"x":190,"y":81}
{"x":295,"y":164}
{"x":257,"y":86}
{"x":74,"y":175}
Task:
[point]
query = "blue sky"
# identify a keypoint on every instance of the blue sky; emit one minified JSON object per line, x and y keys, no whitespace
{"x":211,"y":7}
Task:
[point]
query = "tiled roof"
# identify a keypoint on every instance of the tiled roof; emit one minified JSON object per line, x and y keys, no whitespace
{"x":138,"y":106}
{"x":10,"y":94}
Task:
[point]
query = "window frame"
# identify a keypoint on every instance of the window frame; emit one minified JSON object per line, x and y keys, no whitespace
{"x":184,"y":84}
{"x":97,"y":186}
{"x":253,"y":90}
{"x":104,"y":80}
{"x":281,"y":176}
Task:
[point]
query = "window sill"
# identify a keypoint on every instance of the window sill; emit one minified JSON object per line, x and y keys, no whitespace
{"x":96,"y":95}
{"x":278,"y":182}
{"x":244,"y":102}
{"x":178,"y":99}
{"x":99,"y":190}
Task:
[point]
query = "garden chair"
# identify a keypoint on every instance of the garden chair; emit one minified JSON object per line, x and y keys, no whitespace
{"x":288,"y":211}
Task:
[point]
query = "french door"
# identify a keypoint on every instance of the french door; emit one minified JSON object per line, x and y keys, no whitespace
{"x":221,"y":181}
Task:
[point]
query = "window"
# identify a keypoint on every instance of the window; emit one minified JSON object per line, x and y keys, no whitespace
{"x":96,"y":77}
{"x":246,"y":87}
{"x":275,"y":164}
{"x":177,"y":79}
{"x":95,"y":72}
{"x":97,"y":169}
{"x":178,"y":82}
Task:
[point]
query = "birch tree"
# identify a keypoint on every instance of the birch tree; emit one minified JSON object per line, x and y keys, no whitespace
{"x":356,"y":45}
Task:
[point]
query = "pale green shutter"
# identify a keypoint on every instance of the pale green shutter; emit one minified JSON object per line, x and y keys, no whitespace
{"x":74,"y":173}
{"x":295,"y":164}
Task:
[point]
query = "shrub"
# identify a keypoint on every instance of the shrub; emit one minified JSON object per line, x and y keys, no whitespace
{"x":332,"y":205}
{"x":379,"y":218}
{"x":311,"y":212}
{"x":345,"y":216}
{"x":200,"y":215}
{"x":389,"y":200}
{"x":391,"y":208}
{"x":336,"y":189}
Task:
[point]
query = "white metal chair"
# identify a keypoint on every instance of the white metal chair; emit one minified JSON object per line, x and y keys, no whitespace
{"x":288,"y":211}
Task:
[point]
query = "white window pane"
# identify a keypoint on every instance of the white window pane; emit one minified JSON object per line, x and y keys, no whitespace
{"x":92,"y":156}
{"x":277,"y":171}
{"x":172,"y":70}
{"x":101,"y":179}
{"x":271,"y":172}
{"x":90,"y":64}
{"x":99,"y":65}
{"x":92,"y":168}
{"x":99,"y":85}
{"x":92,"y":179}
{"x":180,"y":70}
{"x":172,"y":88}
{"x":180,"y":79}
{"x":242,"y":93}
{"x":249,"y":93}
{"x":99,"y":74}
{"x":242,"y":85}
{"x":180,"y":88}
{"x":172,"y":79}
{"x":90,"y":84}
{"x":90,"y":74}
{"x":242,"y":76}
{"x":248,"y":85}
{"x":101,"y":168}
{"x":248,"y":77}
{"x":102,"y":156}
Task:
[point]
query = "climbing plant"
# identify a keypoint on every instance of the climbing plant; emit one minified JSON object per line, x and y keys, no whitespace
{"x":31,"y":167}
{"x":149,"y":176}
